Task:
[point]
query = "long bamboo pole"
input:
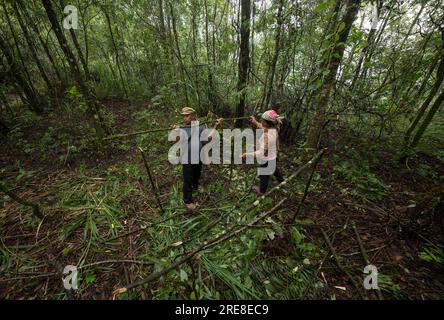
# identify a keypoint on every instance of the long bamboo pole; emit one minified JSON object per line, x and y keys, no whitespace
{"x":127,"y":135}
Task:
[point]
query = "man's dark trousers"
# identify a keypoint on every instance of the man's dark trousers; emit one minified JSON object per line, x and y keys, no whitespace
{"x":191,"y":176}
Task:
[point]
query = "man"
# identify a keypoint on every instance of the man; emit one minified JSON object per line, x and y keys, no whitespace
{"x":191,"y":164}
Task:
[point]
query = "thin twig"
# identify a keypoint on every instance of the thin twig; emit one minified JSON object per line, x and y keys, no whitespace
{"x":364,"y":254}
{"x":307,"y":187}
{"x":115,"y":261}
{"x":155,"y":191}
{"x":340,"y":266}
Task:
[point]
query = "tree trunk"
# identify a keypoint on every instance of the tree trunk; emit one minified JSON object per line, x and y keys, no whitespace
{"x":116,"y":52}
{"x":78,"y":49}
{"x":195,"y":58}
{"x":329,"y":81}
{"x":179,"y":53}
{"x":31,"y":96}
{"x":210,"y":63}
{"x":369,"y":52}
{"x":439,"y":80}
{"x":277,"y":47}
{"x":92,"y":107}
{"x":244,"y":57}
{"x":32,"y":47}
{"x":427,"y":120}
{"x":30,"y":21}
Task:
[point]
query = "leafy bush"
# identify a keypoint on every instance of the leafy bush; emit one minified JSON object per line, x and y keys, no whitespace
{"x":366,"y":184}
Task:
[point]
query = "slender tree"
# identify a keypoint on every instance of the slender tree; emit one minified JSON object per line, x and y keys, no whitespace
{"x":244,"y":56}
{"x":92,"y":105}
{"x":343,"y":31}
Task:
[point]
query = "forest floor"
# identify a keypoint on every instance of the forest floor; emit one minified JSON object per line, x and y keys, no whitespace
{"x":100,"y":209}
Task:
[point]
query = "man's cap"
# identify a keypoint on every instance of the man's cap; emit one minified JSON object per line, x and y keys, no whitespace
{"x":187,"y":110}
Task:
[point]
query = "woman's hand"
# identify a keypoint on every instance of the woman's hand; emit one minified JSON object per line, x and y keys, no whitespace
{"x":219,"y":121}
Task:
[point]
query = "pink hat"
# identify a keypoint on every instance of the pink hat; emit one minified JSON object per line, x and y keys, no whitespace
{"x":271,"y":115}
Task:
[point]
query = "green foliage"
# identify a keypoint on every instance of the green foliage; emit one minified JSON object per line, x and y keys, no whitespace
{"x":432,"y":254}
{"x":386,"y":284}
{"x":23,"y":174}
{"x":305,"y":250}
{"x":357,"y":172}
{"x":146,"y":119}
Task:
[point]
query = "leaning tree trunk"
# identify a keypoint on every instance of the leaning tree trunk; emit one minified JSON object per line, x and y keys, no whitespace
{"x":116,"y":51}
{"x":210,"y":64}
{"x":439,"y":80}
{"x":92,"y":106}
{"x":31,"y":96}
{"x":183,"y":71}
{"x":420,"y":132}
{"x":78,"y":49}
{"x":277,"y":47}
{"x":32,"y":47}
{"x":244,"y":57}
{"x":329,"y":81}
{"x":31,"y":23}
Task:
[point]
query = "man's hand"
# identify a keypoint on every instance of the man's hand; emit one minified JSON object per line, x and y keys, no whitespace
{"x":176,"y":127}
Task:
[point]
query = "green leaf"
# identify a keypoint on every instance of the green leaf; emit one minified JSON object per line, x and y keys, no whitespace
{"x":183,"y":276}
{"x":90,"y":278}
{"x":337,"y":56}
{"x":341,"y":26}
{"x":321,"y":7}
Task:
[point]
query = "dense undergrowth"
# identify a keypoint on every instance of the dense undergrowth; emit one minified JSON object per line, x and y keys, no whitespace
{"x":100,"y":210}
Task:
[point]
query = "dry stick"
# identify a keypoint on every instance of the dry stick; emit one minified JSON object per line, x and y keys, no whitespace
{"x":151,"y":180}
{"x":320,"y":267}
{"x":35,"y":207}
{"x":307,"y":186}
{"x":340,"y":266}
{"x":44,"y":275}
{"x":206,"y":245}
{"x":127,"y":135}
{"x":115,"y":261}
{"x":364,"y":255}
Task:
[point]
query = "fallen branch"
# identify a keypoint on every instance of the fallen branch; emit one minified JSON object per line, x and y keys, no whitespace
{"x":340,"y":266}
{"x":115,"y":261}
{"x":151,"y":180}
{"x":307,"y":186}
{"x":364,"y":254}
{"x":35,"y":207}
{"x":204,"y":246}
{"x":44,"y":275}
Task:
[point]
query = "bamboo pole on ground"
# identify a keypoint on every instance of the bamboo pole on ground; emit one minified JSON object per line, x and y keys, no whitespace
{"x":151,"y":180}
{"x":35,"y":207}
